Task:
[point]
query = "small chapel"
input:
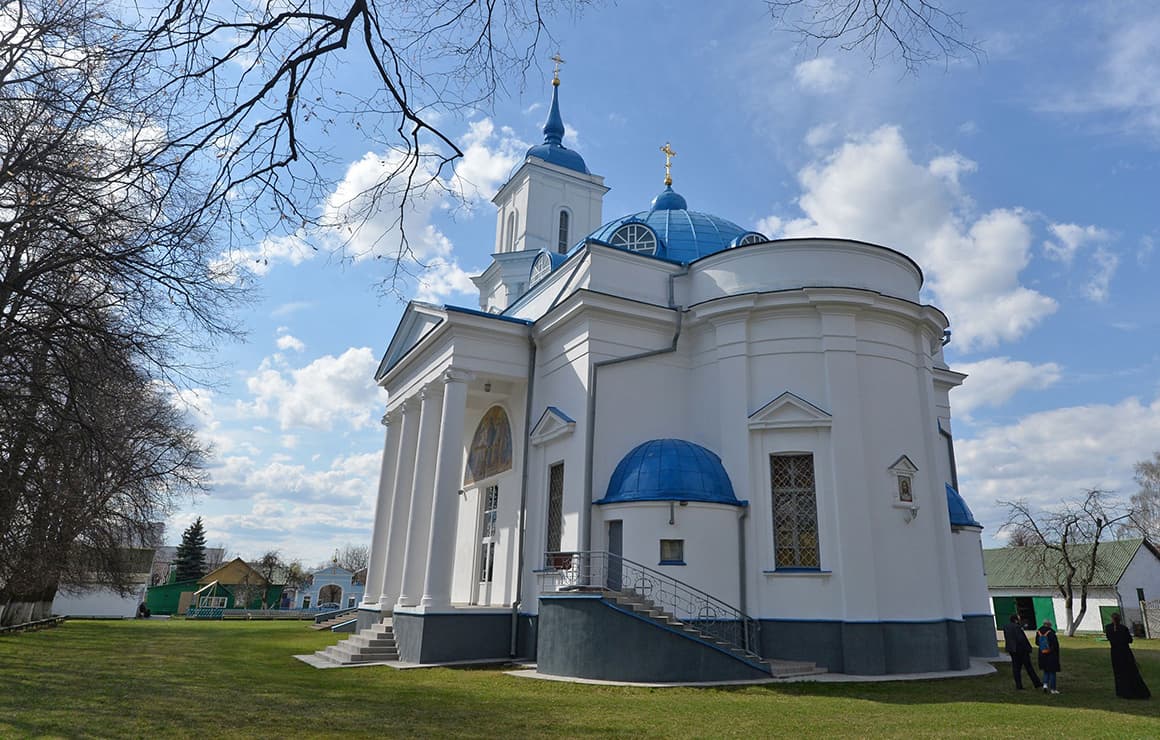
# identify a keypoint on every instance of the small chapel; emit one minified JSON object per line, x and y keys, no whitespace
{"x":664,"y":447}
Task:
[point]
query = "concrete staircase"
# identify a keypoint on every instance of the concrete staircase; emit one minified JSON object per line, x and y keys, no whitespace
{"x":644,"y":608}
{"x":375,"y":644}
{"x":334,"y":621}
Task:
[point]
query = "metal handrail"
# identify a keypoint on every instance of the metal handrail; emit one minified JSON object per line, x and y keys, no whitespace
{"x":607,"y":572}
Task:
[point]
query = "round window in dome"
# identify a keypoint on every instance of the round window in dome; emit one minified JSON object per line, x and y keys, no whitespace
{"x":540,"y":268}
{"x":751,"y":237}
{"x":635,"y":238}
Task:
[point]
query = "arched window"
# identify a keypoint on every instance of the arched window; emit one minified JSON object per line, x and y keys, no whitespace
{"x":491,"y":447}
{"x":752,"y":238}
{"x":635,"y":238}
{"x":510,"y":238}
{"x":562,"y":243}
{"x":541,"y":267}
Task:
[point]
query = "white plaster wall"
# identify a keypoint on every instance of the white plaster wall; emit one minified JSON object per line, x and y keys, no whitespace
{"x":710,"y":535}
{"x":100,"y":602}
{"x":791,"y":264}
{"x":1091,"y":618}
{"x":969,"y":566}
{"x":1142,"y":572}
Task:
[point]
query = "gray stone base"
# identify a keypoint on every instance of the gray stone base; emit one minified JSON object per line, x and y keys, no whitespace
{"x":587,"y":637}
{"x":869,"y":648}
{"x":367,"y":617}
{"x":454,"y":636}
{"x":981,"y":639}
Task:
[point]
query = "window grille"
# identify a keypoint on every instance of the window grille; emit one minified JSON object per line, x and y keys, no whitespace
{"x":635,"y":238}
{"x":795,"y":511}
{"x":555,"y":506}
{"x":672,"y":552}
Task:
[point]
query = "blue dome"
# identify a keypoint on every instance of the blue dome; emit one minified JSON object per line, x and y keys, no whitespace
{"x":553,"y":150}
{"x":682,"y":235}
{"x":960,"y":513}
{"x":670,"y":470}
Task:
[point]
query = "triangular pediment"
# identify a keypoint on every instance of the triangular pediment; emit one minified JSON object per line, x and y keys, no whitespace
{"x":553,"y":424}
{"x":418,"y":321}
{"x":903,"y":465}
{"x":789,"y":411}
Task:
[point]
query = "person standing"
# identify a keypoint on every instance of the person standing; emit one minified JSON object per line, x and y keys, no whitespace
{"x":1129,"y":683}
{"x":1048,"y":643}
{"x":1019,"y":648}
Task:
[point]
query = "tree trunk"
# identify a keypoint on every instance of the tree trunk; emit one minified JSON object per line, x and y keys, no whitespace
{"x":28,"y":607}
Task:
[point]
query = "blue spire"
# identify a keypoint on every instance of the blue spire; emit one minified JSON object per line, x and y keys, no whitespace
{"x":553,"y":149}
{"x":554,"y":126}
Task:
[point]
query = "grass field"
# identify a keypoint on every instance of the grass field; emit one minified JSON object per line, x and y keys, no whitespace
{"x":238,"y":679}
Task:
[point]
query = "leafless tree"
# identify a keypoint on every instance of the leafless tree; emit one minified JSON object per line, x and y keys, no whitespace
{"x":918,"y":32}
{"x":354,"y":557}
{"x":1065,"y":543}
{"x":1145,"y":502}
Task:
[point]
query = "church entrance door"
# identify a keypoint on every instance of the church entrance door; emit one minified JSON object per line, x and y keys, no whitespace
{"x":615,"y":551}
{"x":487,"y":539}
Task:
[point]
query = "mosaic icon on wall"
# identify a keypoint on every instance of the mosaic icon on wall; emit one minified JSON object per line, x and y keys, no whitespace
{"x":491,"y":447}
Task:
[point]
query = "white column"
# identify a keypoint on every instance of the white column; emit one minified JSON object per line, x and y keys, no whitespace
{"x":415,"y":552}
{"x":448,"y":476}
{"x":382,"y":512}
{"x":400,"y":505}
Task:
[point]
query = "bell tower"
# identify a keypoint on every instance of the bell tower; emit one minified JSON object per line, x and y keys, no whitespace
{"x":550,"y":203}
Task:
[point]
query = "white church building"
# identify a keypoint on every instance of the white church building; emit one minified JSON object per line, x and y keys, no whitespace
{"x":665,"y":447}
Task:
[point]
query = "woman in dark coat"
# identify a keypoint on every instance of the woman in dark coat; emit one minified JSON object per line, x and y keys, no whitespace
{"x":1048,"y":644}
{"x":1129,"y":684}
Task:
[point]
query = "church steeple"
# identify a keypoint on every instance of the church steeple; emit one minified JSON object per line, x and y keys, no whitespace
{"x":553,"y":149}
{"x":554,"y":126}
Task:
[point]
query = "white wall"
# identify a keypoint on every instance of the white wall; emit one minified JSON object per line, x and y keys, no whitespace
{"x":1142,"y":572}
{"x":97,"y":603}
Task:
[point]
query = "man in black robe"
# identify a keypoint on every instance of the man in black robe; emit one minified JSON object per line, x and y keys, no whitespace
{"x":1019,"y":648}
{"x":1129,"y":683}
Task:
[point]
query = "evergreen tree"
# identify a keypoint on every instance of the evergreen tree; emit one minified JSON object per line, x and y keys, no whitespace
{"x":191,"y":553}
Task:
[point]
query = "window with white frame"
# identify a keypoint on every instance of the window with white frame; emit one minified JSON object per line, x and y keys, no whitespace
{"x":635,"y":238}
{"x":795,"y":511}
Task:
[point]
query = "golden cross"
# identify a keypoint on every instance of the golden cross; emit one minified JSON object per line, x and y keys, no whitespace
{"x":556,"y":72}
{"x":669,"y":154}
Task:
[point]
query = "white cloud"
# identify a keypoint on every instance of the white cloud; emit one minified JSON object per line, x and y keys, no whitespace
{"x":327,"y":392}
{"x":488,"y":159}
{"x":995,"y":380}
{"x":1097,"y":286}
{"x":1125,"y":83}
{"x":290,"y":342}
{"x":820,"y":135}
{"x":443,"y":278}
{"x":819,"y":75}
{"x":870,"y":188}
{"x":286,"y":309}
{"x":1057,"y":454}
{"x":1070,"y":238}
{"x":292,"y":249}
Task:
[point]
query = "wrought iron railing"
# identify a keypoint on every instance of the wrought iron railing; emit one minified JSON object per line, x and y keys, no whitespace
{"x":613,"y":575}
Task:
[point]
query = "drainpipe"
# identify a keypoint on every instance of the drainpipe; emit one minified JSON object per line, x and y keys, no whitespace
{"x":590,"y":432}
{"x":741,"y":594}
{"x":523,"y":493}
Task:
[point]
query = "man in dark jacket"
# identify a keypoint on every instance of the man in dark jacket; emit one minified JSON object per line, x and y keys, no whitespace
{"x":1019,"y":648}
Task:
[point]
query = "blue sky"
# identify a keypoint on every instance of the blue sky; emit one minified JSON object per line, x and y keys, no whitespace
{"x":1024,"y":184}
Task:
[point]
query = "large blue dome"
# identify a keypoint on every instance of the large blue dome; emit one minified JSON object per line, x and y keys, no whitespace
{"x":682,"y":235}
{"x":670,"y":470}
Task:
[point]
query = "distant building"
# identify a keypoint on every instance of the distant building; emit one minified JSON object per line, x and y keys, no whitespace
{"x":1128,"y":573}
{"x":333,"y":585}
{"x":95,"y":599}
{"x":165,"y":562}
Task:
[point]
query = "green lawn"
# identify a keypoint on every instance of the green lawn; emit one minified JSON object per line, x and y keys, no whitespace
{"x":214,"y":679}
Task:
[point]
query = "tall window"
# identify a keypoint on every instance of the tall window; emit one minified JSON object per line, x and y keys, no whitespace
{"x":510,"y":238}
{"x":795,"y":511}
{"x":562,"y":244}
{"x":555,"y":506}
{"x":487,"y":535}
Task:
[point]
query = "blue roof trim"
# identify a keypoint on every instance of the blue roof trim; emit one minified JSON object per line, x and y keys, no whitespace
{"x":485,"y":314}
{"x":960,"y":513}
{"x":670,"y":470}
{"x":556,"y":410}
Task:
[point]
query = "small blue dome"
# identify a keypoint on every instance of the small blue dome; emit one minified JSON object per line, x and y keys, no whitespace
{"x":669,"y":200}
{"x":670,"y":470}
{"x":553,"y":150}
{"x":960,"y":513}
{"x":682,"y":235}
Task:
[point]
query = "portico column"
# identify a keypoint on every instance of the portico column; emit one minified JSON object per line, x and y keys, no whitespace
{"x":430,"y":410}
{"x":382,"y":512}
{"x":448,"y":476}
{"x":400,"y":505}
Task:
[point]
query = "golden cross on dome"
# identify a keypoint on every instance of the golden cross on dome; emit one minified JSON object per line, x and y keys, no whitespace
{"x":556,"y":72}
{"x":669,"y":154}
